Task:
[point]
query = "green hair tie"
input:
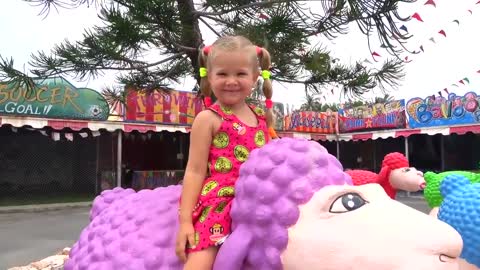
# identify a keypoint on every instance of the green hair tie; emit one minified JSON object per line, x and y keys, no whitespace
{"x":203,"y":72}
{"x":266,"y":74}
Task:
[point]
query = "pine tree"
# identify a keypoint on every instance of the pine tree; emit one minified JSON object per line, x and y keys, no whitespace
{"x":171,"y":28}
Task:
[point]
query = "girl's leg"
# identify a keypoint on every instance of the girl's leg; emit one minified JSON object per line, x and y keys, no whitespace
{"x":201,"y":260}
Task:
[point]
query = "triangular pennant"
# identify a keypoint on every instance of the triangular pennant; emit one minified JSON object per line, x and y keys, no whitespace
{"x":404,"y":28}
{"x":432,"y":39}
{"x":441,"y":32}
{"x":375,"y":54}
{"x":466,"y":79}
{"x":470,"y":11}
{"x":421,"y":48}
{"x":430,"y":2}
{"x":440,"y":93}
{"x":446,"y":90}
{"x":417,"y":16}
{"x":461,"y":81}
{"x":456,"y":21}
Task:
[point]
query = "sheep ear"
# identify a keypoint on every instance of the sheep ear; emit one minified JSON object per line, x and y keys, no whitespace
{"x":452,"y":182}
{"x":233,"y":252}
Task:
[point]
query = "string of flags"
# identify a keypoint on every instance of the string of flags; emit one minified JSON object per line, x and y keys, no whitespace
{"x":462,"y":82}
{"x":433,"y":39}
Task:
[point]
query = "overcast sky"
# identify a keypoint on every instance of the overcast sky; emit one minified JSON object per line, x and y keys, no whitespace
{"x":442,"y":64}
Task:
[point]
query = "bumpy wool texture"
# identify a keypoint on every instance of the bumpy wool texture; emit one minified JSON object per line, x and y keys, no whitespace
{"x":138,"y":230}
{"x":432,"y":193}
{"x":276,"y":179}
{"x":106,"y":198}
{"x":134,"y":232}
{"x":461,"y":210}
{"x":362,"y":177}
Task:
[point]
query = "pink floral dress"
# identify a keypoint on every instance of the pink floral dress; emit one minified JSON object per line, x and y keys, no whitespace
{"x":230,"y":148}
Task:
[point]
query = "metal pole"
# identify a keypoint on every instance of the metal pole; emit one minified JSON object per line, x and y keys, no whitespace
{"x":406,"y":148}
{"x":442,"y":154}
{"x":119,"y":159}
{"x":338,"y":149}
{"x":406,"y":155}
{"x":97,"y":166}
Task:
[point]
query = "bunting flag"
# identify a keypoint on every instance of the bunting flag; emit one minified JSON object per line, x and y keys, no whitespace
{"x":417,"y":16}
{"x":431,"y":2}
{"x":462,"y":82}
{"x":432,"y":39}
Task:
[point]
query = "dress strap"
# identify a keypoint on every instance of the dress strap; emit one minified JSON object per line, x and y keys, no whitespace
{"x":259,"y":112}
{"x":224,"y":112}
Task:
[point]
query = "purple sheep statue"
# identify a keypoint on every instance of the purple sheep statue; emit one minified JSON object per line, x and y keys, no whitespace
{"x":294,"y":208}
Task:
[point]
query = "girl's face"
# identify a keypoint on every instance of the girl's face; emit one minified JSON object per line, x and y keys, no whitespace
{"x":232,"y":75}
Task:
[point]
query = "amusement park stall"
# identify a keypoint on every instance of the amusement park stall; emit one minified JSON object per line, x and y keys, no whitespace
{"x":60,"y":141}
{"x":436,"y":133}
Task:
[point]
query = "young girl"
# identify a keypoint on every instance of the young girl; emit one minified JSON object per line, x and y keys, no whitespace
{"x":221,"y":139}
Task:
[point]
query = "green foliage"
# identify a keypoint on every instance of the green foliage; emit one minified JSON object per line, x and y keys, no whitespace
{"x":134,"y":30}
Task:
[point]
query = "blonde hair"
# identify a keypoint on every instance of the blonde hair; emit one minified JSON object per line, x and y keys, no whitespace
{"x":261,"y":58}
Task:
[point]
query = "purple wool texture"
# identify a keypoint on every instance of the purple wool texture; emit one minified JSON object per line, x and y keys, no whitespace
{"x":274,"y":181}
{"x":130,"y":230}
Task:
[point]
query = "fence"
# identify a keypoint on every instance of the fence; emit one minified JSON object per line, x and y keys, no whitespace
{"x":49,"y":166}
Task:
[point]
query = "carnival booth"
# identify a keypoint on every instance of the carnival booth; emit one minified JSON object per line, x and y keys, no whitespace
{"x":62,"y":143}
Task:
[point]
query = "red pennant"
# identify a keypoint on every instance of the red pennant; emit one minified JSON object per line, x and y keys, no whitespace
{"x":417,"y":16}
{"x":477,"y":3}
{"x":430,"y":2}
{"x":441,"y":32}
{"x":263,"y":16}
{"x":461,"y":81}
{"x":375,"y":54}
{"x":470,"y":12}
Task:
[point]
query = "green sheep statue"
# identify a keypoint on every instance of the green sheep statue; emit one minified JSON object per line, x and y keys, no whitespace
{"x":432,"y":194}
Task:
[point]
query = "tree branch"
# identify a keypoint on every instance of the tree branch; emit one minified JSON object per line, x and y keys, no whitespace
{"x":255,"y":4}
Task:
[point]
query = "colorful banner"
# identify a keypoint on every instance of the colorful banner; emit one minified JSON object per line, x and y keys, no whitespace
{"x":175,"y":107}
{"x":389,"y":115}
{"x":313,"y":122}
{"x":441,"y":111}
{"x":53,"y":98}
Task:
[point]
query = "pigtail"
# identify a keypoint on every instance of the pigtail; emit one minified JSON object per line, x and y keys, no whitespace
{"x":265,"y":63}
{"x":205,"y":88}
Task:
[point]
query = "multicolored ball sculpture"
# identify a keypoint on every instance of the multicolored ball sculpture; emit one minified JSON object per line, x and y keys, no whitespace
{"x":432,"y":193}
{"x":461,"y":210}
{"x":294,"y":208}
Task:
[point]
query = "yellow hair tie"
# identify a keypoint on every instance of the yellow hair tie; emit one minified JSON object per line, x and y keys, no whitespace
{"x":266,"y":74}
{"x":203,"y":72}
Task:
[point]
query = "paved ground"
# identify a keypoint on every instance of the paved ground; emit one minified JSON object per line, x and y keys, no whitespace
{"x":28,"y":234}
